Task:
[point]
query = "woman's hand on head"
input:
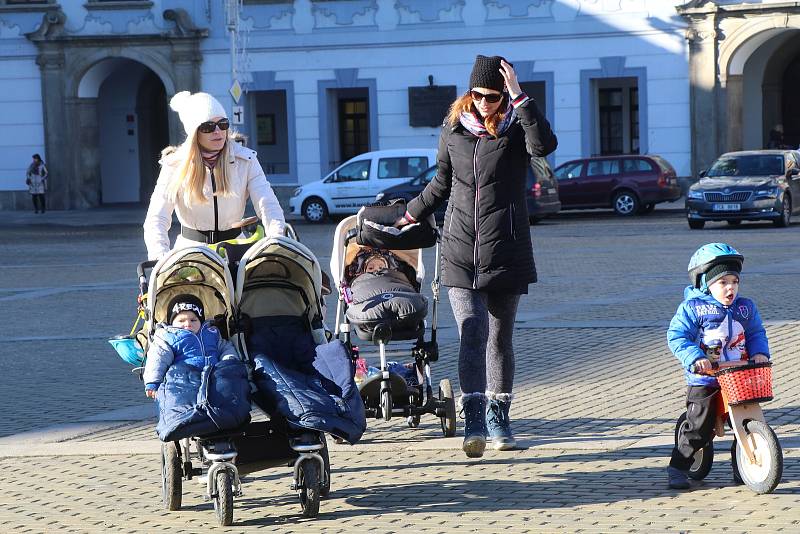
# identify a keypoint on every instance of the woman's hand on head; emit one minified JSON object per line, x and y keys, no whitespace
{"x":510,"y":77}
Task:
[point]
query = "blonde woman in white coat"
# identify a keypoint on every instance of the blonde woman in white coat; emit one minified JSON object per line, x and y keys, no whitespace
{"x":206,"y":181}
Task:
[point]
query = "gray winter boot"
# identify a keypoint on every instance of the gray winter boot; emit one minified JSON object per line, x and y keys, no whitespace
{"x":498,"y":425}
{"x":473,"y":406}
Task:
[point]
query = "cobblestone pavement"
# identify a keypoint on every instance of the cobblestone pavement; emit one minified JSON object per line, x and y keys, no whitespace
{"x":597,"y":396}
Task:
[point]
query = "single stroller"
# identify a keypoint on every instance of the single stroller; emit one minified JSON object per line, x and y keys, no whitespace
{"x":386,"y":306}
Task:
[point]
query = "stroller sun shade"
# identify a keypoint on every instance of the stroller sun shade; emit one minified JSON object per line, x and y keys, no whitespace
{"x":375,"y":228}
{"x":198,"y":271}
{"x":280,"y":277}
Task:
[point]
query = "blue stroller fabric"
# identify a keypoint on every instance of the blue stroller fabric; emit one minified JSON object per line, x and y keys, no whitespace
{"x":197,"y":402}
{"x":311,"y":386}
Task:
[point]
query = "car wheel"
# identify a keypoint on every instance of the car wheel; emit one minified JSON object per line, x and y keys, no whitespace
{"x":625,"y":203}
{"x":696,"y":225}
{"x":786,"y":213}
{"x":734,"y":222}
{"x":315,"y":210}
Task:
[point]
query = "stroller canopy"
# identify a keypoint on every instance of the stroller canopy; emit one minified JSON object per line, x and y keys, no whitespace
{"x":198,"y":271}
{"x":280,"y":276}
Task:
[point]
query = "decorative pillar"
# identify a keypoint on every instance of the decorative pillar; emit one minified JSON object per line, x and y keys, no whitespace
{"x":734,"y":97}
{"x":704,"y":90}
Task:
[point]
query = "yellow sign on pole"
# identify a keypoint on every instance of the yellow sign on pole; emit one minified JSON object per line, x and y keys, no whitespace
{"x":236,"y":91}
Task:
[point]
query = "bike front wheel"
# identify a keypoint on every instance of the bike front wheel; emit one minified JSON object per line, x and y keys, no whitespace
{"x":763,"y":474}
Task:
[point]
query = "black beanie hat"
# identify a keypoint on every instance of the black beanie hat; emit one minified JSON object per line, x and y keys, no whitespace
{"x":183,"y":303}
{"x":486,"y":73}
{"x":721,"y":269}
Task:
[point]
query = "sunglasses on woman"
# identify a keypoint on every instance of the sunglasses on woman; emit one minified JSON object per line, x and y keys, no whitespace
{"x":491,"y":98}
{"x":210,"y":126}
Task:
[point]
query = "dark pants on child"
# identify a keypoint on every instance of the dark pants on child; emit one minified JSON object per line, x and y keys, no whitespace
{"x":485,"y":323}
{"x":38,"y":202}
{"x":701,"y":417}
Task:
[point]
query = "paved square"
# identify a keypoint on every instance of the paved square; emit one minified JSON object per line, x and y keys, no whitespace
{"x":597,"y":394}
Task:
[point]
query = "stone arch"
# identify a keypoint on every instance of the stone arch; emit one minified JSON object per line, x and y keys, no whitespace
{"x":70,"y":108}
{"x":79,"y":85}
{"x":737,"y":47}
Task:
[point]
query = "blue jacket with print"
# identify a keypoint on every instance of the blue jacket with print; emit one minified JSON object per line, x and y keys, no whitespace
{"x":202,"y":384}
{"x":701,"y":321}
{"x":172,"y":345}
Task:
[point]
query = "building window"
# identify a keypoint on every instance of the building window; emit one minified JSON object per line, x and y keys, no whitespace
{"x":269,"y":135}
{"x":353,"y":127}
{"x":265,"y":128}
{"x":617,"y":116}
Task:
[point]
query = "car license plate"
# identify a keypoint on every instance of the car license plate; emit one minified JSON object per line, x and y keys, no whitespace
{"x":727,"y":207}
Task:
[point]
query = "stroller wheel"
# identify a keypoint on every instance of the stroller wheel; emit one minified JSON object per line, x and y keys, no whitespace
{"x":309,"y":488}
{"x":325,"y":483}
{"x":413,"y":421}
{"x":386,"y":404}
{"x":223,"y":500}
{"x":448,"y":419}
{"x":171,"y":476}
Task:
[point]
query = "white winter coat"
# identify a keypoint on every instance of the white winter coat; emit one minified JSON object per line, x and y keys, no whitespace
{"x":247,"y":179}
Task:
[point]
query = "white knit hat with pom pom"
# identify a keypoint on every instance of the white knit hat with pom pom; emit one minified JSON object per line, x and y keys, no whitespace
{"x":195,"y":109}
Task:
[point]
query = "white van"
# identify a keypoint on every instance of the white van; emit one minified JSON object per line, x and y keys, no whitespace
{"x":356,"y":182}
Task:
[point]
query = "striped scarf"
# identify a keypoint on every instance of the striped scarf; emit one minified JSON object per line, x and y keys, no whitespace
{"x":473,"y":122}
{"x":210,"y":158}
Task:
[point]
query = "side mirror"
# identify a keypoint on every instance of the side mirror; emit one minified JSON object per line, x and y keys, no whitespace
{"x":703,"y":173}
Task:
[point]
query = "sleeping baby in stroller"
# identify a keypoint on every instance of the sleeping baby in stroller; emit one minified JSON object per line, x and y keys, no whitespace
{"x":202,"y":382}
{"x":382,"y":288}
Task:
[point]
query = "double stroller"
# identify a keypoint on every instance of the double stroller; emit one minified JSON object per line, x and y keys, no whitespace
{"x":272,"y":313}
{"x":386,"y":306}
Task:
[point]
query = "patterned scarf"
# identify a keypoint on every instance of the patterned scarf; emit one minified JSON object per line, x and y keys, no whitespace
{"x":210,"y":158}
{"x":473,"y":122}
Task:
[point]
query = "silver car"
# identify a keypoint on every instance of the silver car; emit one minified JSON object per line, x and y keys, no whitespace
{"x":752,"y":185}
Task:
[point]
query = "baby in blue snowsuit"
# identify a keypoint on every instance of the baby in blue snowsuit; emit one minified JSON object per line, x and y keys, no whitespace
{"x":712,"y":324}
{"x":189,"y":339}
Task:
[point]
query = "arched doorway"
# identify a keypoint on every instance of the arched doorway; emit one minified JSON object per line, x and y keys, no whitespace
{"x":769,"y":75}
{"x":132,"y":127}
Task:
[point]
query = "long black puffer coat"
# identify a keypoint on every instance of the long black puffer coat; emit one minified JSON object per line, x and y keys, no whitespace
{"x":486,"y":237}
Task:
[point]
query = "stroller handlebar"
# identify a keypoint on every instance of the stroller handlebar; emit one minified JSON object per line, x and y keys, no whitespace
{"x":149,"y":264}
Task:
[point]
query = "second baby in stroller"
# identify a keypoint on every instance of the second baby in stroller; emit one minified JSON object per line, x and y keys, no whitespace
{"x":380,"y":272}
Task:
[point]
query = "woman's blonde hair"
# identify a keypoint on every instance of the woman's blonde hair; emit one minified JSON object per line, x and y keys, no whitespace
{"x":463,"y":104}
{"x":190,"y":177}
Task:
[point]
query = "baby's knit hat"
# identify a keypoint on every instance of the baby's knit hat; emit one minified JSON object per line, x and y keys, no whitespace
{"x":486,"y":73}
{"x":182,"y":303}
{"x":195,"y":109}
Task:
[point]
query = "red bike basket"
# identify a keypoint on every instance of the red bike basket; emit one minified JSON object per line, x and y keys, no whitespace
{"x":751,"y":383}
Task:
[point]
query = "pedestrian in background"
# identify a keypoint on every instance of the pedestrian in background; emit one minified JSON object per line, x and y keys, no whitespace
{"x":485,"y":147}
{"x":36,"y":180}
{"x":207,"y":181}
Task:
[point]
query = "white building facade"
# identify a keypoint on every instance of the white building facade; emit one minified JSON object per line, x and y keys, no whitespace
{"x":85,"y":83}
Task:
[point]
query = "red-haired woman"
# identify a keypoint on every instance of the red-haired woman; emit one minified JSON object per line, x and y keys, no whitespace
{"x":485,"y":148}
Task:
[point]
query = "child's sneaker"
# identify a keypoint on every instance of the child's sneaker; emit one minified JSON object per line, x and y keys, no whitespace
{"x":677,"y":479}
